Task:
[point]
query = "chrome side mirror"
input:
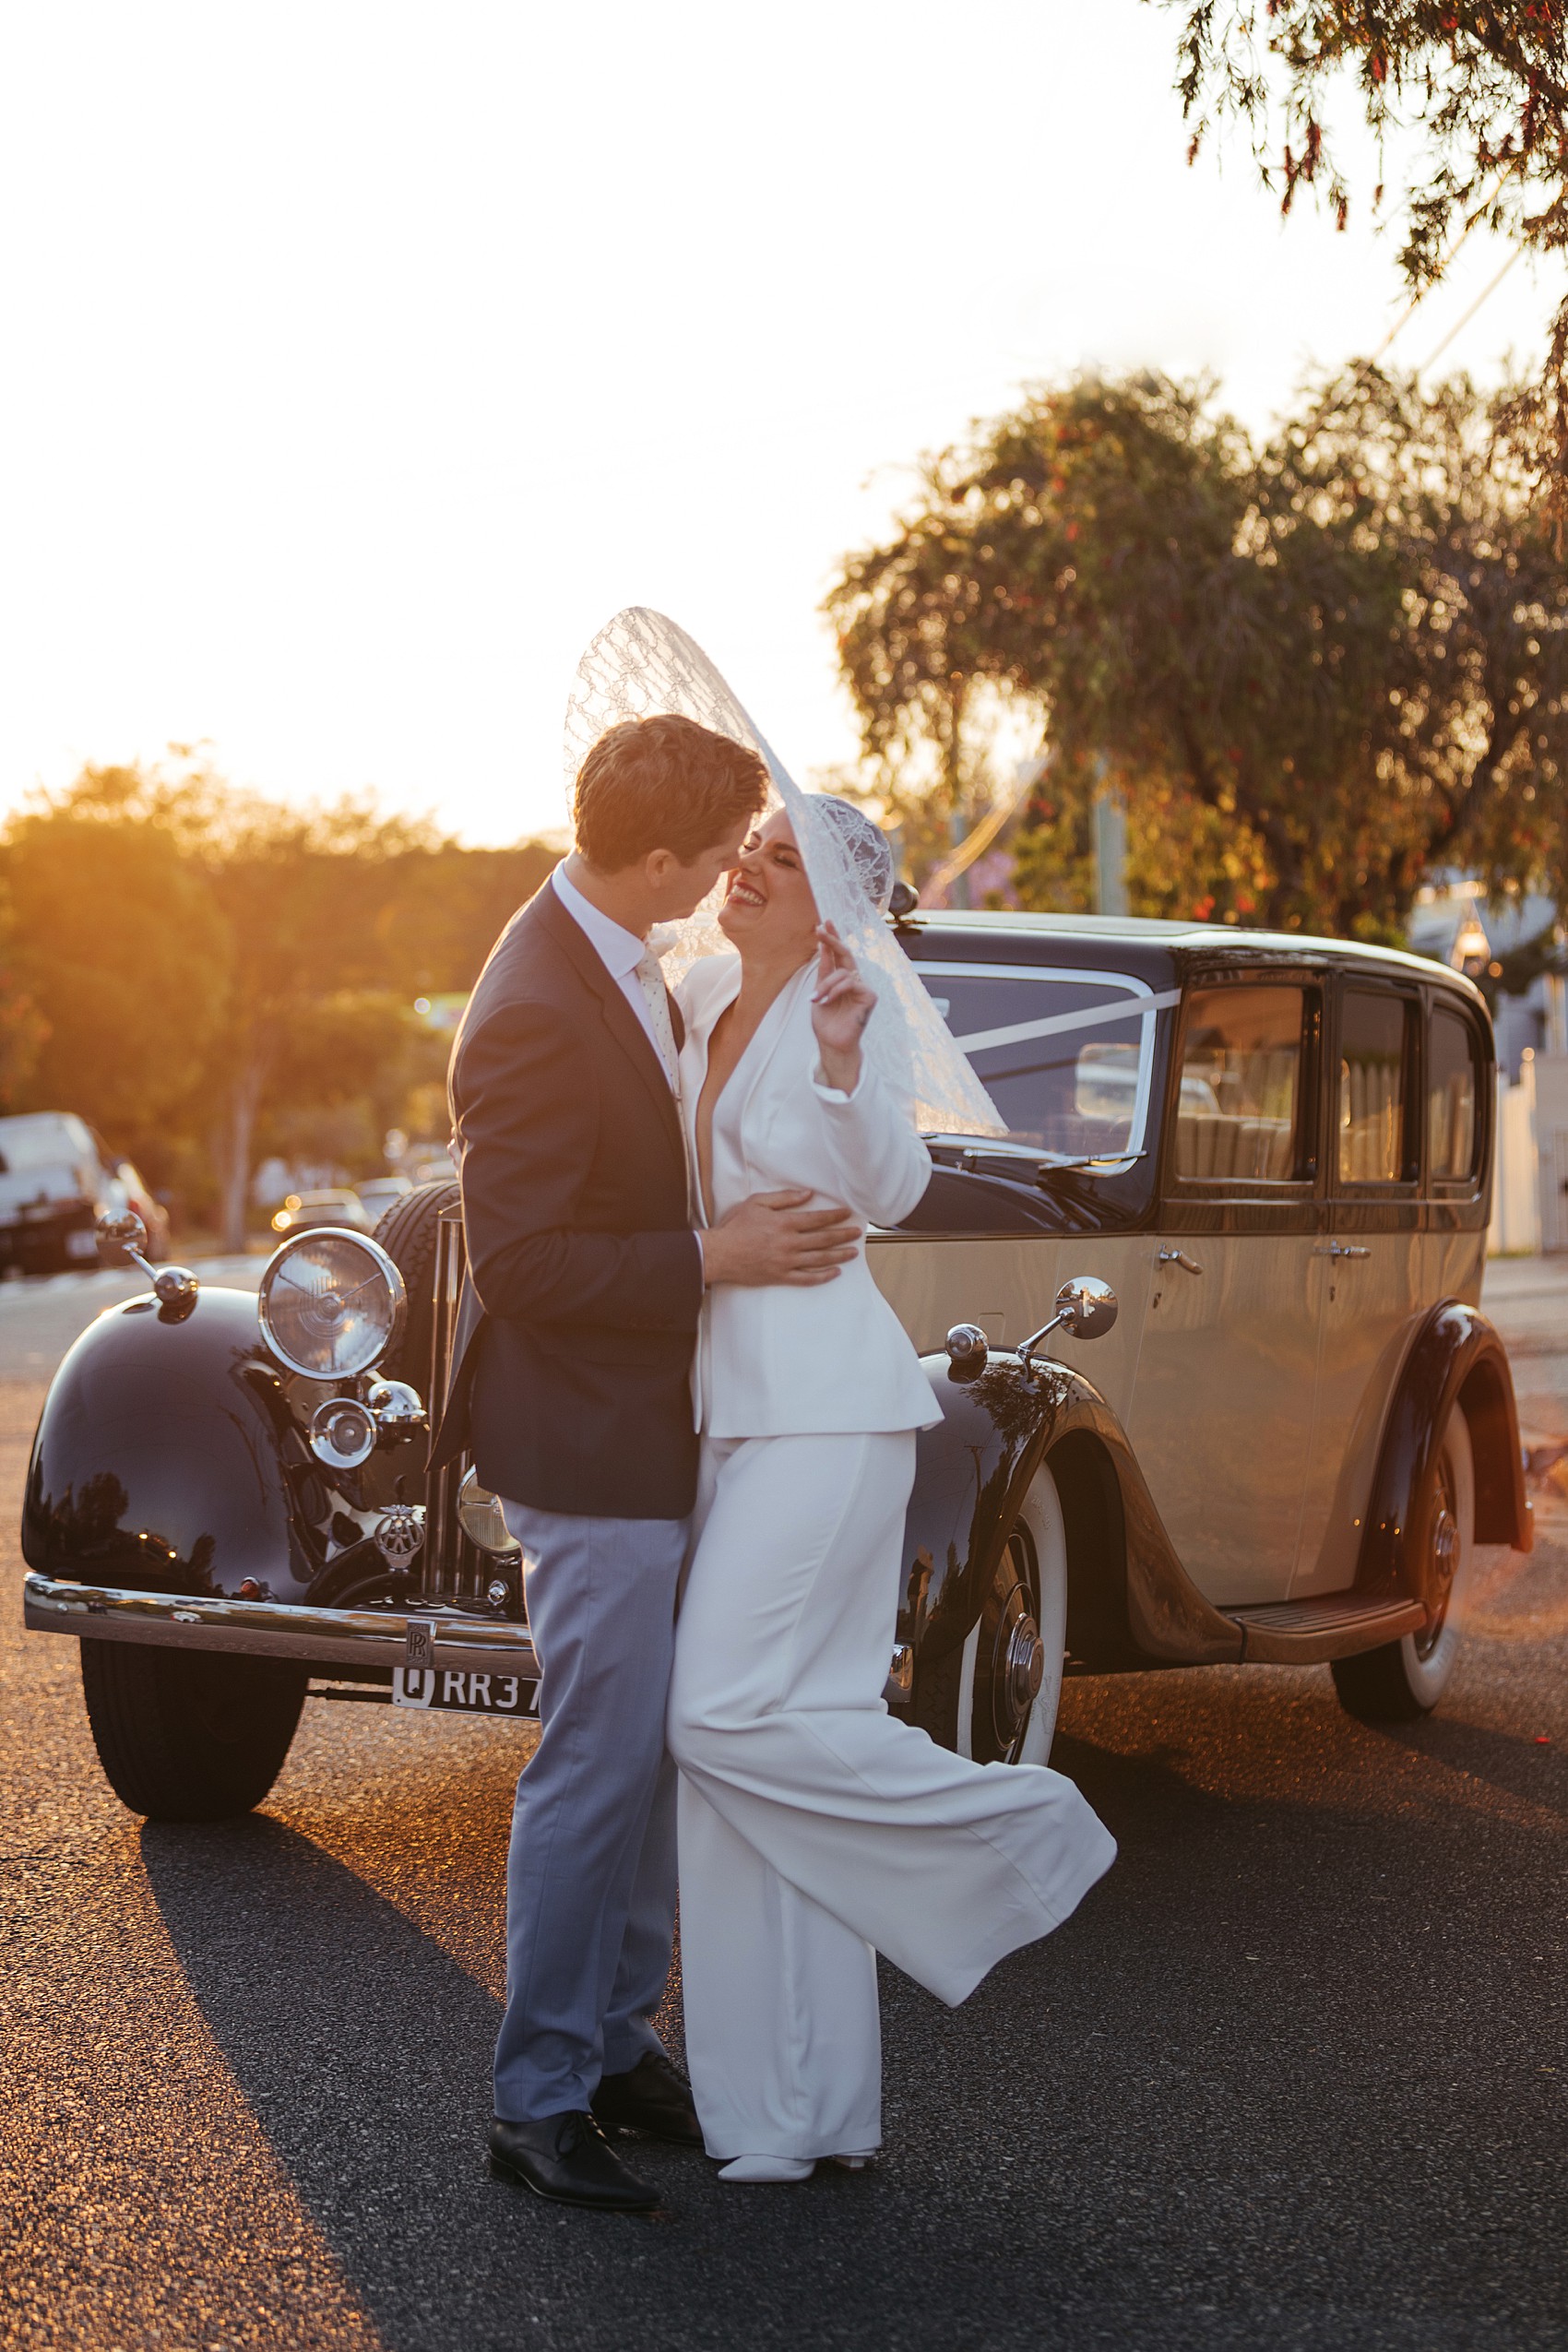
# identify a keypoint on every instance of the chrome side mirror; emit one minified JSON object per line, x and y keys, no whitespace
{"x":175,"y":1286}
{"x":1087,"y":1306}
{"x":127,"y":1230}
{"x":1085,"y":1309}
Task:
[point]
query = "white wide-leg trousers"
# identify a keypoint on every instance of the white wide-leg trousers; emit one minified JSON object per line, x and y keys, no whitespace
{"x":815,"y":1829}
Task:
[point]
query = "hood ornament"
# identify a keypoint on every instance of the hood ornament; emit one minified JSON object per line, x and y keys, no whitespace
{"x":399,"y":1533}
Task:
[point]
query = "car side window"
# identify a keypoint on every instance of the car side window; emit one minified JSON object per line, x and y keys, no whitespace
{"x":1452,"y":1092}
{"x":1238,"y":1112}
{"x":1373,"y":1059}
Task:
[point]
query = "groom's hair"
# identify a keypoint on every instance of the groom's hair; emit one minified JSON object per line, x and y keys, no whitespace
{"x":662,"y":783}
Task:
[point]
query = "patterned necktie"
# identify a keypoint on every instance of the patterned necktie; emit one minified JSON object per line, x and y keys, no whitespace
{"x":650,"y":975}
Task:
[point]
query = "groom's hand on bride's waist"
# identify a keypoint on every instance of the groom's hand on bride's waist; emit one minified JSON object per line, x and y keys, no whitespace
{"x":774,"y":1237}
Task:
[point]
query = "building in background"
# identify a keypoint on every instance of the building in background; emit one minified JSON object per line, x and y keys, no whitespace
{"x":1515,"y":949}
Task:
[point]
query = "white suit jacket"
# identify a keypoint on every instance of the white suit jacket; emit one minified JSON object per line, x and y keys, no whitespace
{"x":788,"y":1361}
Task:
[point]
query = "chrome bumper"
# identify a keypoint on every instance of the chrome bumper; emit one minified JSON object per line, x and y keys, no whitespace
{"x":279,"y":1629}
{"x":314,"y":1636}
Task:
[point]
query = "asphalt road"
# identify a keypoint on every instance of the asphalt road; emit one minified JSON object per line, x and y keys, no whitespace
{"x":1295,"y":2075}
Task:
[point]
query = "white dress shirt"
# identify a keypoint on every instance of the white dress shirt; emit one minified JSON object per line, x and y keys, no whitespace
{"x":619,"y":951}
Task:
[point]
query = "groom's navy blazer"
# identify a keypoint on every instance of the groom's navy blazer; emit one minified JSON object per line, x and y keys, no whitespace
{"x":572,"y":1362}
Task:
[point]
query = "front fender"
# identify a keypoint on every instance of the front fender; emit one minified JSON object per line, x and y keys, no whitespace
{"x":1457,"y":1359}
{"x":169,"y":1458}
{"x":1130,"y":1603}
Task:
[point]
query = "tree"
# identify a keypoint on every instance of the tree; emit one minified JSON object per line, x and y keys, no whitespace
{"x":213,"y":975}
{"x":117,"y":941}
{"x":1314,"y":669}
{"x":1484,"y":87}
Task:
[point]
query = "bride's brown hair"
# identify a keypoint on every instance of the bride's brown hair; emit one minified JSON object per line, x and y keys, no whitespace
{"x":662,"y":783}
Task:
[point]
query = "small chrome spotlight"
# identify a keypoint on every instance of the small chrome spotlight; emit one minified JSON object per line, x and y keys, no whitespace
{"x":397,"y":1408}
{"x":342,"y":1434}
{"x":968,"y":1350}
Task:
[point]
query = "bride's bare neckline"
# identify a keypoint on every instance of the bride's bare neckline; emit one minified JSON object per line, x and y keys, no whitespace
{"x":709,"y":1100}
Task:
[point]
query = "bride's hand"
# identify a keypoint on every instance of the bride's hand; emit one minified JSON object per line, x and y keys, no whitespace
{"x":841,"y":1005}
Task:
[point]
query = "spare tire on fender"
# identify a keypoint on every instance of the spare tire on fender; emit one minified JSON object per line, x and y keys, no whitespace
{"x":410,"y":1232}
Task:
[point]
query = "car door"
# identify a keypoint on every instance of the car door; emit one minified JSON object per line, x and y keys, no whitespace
{"x":1222,"y":1404}
{"x":1459,"y":1080}
{"x":1369,"y":1275}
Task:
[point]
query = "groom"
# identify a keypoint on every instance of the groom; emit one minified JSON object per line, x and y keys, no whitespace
{"x":571,"y":1388}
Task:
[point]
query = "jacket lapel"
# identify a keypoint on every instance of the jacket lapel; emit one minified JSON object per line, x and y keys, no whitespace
{"x":775,"y":1025}
{"x":618,"y":1016}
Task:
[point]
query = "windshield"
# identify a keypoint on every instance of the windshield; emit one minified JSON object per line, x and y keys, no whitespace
{"x":1065,"y":1056}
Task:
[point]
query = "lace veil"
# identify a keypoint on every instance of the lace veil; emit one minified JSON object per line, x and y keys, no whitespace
{"x":641,"y":663}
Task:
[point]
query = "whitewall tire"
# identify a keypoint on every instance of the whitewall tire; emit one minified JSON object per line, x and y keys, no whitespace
{"x":1405,"y":1678}
{"x":1019,"y":1641}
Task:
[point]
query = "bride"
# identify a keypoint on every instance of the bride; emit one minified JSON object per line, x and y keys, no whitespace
{"x":815,"y":1830}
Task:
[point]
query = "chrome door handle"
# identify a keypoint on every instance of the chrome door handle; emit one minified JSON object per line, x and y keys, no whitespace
{"x":1179,"y":1257}
{"x":1340,"y":1250}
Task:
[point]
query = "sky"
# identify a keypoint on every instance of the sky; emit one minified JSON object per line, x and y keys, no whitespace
{"x":361,"y":360}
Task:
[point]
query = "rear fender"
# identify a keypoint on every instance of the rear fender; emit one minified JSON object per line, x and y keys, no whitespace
{"x":1457,"y":1359}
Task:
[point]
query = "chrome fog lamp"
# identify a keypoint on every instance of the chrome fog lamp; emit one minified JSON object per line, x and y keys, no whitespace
{"x":342,"y":1434}
{"x":330,"y":1303}
{"x":479,"y":1515}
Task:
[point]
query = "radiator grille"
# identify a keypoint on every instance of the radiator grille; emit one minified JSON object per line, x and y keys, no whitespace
{"x":451,"y":1568}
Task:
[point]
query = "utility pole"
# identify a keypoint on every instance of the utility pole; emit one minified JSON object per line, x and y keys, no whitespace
{"x":957,"y":833}
{"x":1109,"y":846}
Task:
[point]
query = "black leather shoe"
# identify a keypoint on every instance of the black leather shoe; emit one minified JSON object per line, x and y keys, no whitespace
{"x":653,"y":2099}
{"x":566,"y":2156}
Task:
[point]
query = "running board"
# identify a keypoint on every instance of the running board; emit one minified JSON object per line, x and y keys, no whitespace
{"x":1325,"y":1625}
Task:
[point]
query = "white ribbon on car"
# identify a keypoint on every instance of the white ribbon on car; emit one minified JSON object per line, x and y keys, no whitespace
{"x":1096,"y":1016}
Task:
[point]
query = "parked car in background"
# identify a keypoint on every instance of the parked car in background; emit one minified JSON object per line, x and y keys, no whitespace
{"x":333,"y":1205}
{"x":1202,"y":1327}
{"x":57,"y":1178}
{"x":378,"y":1193}
{"x":434,"y":1165}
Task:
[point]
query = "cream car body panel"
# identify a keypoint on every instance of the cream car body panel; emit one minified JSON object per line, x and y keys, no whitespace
{"x":1367,"y":1317}
{"x":1221,"y":1417}
{"x":1008,"y":1285}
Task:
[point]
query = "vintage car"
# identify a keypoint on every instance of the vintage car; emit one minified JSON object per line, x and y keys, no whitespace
{"x":1204,"y":1328}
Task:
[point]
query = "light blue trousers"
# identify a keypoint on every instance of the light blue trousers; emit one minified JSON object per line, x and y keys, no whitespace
{"x":590,"y":1875}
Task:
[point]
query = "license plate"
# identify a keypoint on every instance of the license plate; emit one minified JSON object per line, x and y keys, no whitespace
{"x":455,"y":1690}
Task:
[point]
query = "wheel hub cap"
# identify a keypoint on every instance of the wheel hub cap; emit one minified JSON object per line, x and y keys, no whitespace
{"x":1443,"y":1563}
{"x":1026,"y":1665}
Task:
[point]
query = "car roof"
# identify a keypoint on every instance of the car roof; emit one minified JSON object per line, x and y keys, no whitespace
{"x":1181,"y":943}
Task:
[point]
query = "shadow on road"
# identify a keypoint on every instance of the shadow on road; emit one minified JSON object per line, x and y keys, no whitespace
{"x":359,"y":2043}
{"x":1201,"y":2114}
{"x":1504,"y":1759}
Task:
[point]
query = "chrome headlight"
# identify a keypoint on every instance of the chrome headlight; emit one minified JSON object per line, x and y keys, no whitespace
{"x":480,"y":1518}
{"x":330,"y":1303}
